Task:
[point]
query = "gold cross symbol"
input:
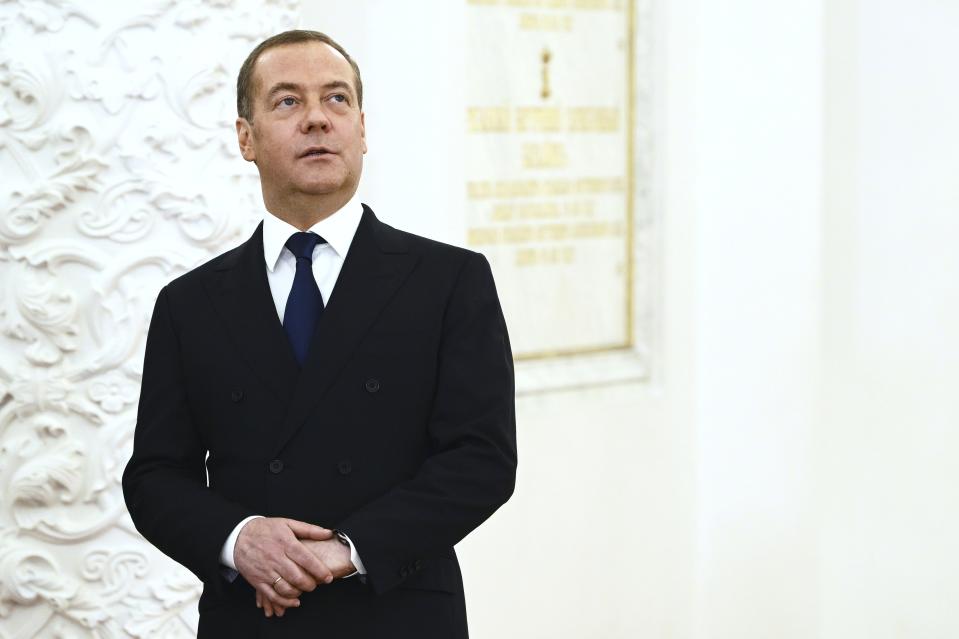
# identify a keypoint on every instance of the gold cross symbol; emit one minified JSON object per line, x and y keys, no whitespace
{"x":545,"y":57}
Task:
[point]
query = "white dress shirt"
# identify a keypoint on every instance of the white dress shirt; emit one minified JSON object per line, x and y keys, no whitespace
{"x":338,"y":230}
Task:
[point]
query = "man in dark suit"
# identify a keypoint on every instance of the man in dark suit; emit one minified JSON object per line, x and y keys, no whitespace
{"x":327,"y":409}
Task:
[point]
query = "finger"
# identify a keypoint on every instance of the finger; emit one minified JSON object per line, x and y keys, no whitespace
{"x":295,"y":576}
{"x":305,"y":577}
{"x":269,"y":610}
{"x":267,"y":607}
{"x":275,"y":599}
{"x":286,"y":590}
{"x":259,"y":599}
{"x":314,"y":567}
{"x":304,"y":530}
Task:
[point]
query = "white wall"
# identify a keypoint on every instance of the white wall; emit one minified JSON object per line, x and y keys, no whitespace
{"x":826,"y":300}
{"x":758,"y":229}
{"x":888,"y":441}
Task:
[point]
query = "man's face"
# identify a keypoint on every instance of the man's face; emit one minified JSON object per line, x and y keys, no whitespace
{"x":307,"y":136}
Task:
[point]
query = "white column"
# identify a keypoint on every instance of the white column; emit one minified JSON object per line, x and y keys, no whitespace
{"x":758,"y":241}
{"x":888,"y":440}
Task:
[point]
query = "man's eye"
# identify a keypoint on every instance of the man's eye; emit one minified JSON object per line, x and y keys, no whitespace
{"x":288,"y":101}
{"x":339,"y":97}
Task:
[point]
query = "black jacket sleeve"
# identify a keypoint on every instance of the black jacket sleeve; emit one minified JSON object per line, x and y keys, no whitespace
{"x":472,"y":466}
{"x":164,"y":483}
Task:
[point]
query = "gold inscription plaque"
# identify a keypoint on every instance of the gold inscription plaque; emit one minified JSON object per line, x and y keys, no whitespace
{"x":548,"y":193}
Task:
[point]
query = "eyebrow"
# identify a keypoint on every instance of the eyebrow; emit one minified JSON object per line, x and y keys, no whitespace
{"x":292,"y":86}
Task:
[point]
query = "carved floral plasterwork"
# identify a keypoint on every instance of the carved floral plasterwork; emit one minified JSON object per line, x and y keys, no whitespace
{"x":118,"y":172}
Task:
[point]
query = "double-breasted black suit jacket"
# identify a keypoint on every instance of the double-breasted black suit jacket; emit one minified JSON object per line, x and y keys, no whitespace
{"x":399,"y":430}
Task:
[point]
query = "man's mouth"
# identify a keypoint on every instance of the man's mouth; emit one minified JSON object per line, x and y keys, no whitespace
{"x":315,"y":151}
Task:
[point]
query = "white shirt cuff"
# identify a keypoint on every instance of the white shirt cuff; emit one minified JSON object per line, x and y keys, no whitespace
{"x":226,"y":554}
{"x":355,"y":558}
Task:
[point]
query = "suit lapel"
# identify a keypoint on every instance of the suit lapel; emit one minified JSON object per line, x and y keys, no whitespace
{"x":375,"y":266}
{"x":241,"y":296}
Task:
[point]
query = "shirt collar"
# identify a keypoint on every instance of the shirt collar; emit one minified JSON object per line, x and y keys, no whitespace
{"x":337,"y":229}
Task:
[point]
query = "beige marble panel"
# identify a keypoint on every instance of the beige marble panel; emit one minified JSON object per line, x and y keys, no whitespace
{"x":549,"y":167}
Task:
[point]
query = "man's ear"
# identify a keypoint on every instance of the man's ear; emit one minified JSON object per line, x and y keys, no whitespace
{"x":363,"y":130}
{"x":244,"y":137}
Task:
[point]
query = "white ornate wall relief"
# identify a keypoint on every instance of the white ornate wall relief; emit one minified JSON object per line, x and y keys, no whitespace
{"x":118,"y":172}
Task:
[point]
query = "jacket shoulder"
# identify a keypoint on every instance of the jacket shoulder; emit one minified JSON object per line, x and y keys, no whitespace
{"x":197,"y":275}
{"x":429,"y":248}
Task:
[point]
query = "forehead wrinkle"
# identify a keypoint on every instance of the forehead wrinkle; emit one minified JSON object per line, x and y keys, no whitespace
{"x":299,"y":88}
{"x":271,"y":53}
{"x":284,"y":86}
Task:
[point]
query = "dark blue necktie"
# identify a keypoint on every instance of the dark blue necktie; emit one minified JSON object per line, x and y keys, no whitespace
{"x":305,"y":304}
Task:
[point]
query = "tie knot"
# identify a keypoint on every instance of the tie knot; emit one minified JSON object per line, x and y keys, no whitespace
{"x":302,"y":245}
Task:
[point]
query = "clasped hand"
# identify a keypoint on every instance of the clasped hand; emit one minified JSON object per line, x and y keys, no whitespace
{"x":302,"y":555}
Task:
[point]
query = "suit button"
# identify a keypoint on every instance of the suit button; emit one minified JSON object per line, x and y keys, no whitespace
{"x":418,"y":565}
{"x":345,"y":467}
{"x":404,"y":572}
{"x":372,"y":385}
{"x":236,"y":395}
{"x":276,"y":466}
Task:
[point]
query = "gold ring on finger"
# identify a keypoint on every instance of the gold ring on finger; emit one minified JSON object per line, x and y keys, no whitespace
{"x":276,"y":581}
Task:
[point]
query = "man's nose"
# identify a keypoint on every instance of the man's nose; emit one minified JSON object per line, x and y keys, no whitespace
{"x":315,"y":117}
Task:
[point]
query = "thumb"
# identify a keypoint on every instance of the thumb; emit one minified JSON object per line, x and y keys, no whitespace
{"x":303,"y":530}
